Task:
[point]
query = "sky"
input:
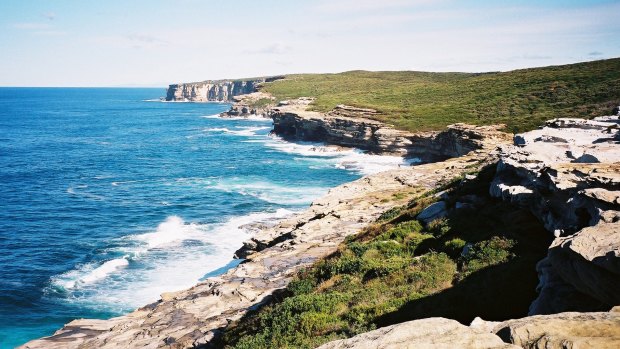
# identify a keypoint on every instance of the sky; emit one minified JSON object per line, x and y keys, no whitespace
{"x":156,"y":43}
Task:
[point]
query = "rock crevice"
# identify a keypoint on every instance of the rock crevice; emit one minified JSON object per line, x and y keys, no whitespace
{"x":568,"y":175}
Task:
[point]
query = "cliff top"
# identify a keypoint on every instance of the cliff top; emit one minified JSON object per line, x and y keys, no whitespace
{"x":419,"y":101}
{"x":254,"y":79}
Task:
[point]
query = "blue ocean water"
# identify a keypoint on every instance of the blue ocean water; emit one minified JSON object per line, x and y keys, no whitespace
{"x":109,"y":197}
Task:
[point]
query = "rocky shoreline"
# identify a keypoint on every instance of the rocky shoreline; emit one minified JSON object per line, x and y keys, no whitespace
{"x":571,"y":184}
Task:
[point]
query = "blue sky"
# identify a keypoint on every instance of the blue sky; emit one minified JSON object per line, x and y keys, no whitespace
{"x":154,"y":43}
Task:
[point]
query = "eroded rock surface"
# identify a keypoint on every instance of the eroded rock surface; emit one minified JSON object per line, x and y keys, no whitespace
{"x":566,"y":330}
{"x":435,"y":333}
{"x":568,"y":175}
{"x":249,"y":105}
{"x":355,"y":127}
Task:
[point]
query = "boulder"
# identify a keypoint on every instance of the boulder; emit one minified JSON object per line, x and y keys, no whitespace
{"x":433,"y":211}
{"x":564,"y":330}
{"x":436,"y":333}
{"x":590,"y":261}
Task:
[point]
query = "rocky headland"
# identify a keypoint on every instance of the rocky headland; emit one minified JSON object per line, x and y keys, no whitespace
{"x":214,"y":90}
{"x":355,"y":127}
{"x":566,"y":174}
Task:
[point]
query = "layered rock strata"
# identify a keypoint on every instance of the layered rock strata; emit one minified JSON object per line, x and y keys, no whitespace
{"x":194,"y":317}
{"x":256,"y":104}
{"x":568,"y":175}
{"x":354,"y":127}
{"x":214,"y":90}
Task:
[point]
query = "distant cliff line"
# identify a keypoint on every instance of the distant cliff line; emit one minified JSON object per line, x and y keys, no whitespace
{"x":215,"y":90}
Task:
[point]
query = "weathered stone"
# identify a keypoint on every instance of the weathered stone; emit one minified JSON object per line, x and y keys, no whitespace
{"x":435,"y":333}
{"x":568,"y":175}
{"x":565,"y":330}
{"x":356,"y":127}
{"x":433,"y":211}
{"x":590,"y":261}
{"x":244,"y":106}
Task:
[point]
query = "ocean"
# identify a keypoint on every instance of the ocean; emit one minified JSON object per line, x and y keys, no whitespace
{"x":109,"y":197}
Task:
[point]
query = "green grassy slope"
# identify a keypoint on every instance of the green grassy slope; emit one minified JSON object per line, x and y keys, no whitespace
{"x":416,"y":101}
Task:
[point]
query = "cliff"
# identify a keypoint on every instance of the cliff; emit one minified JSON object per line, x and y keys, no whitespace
{"x":214,"y":90}
{"x":354,"y":127}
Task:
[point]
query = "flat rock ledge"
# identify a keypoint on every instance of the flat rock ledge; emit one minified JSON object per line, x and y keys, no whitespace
{"x":194,"y":317}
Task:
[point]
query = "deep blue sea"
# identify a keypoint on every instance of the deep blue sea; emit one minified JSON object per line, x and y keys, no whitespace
{"x":109,"y":197}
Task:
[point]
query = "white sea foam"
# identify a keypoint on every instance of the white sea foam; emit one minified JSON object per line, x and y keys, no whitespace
{"x":101,"y":272}
{"x":343,"y":158}
{"x":214,"y":116}
{"x":171,"y":231}
{"x":249,"y":118}
{"x":174,"y":256}
{"x":241,"y":131}
{"x":270,"y":192}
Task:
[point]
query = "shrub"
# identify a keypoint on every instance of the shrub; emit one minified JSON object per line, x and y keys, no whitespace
{"x":439,"y":227}
{"x":401,"y":231}
{"x":487,"y":253}
{"x":390,"y":214}
{"x":454,"y":247}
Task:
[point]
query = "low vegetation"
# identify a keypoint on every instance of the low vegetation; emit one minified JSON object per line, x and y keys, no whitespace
{"x":521,"y":99}
{"x":479,"y":261}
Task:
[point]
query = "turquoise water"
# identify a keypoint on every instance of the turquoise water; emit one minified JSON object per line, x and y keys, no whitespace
{"x":109,"y":197}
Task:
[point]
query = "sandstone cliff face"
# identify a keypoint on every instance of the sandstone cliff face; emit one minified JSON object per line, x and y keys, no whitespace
{"x":568,"y":174}
{"x":214,"y":90}
{"x":353,"y":127}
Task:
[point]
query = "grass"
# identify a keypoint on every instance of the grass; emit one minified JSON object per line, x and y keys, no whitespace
{"x":476,"y":262}
{"x":261,"y":103}
{"x":416,"y":101}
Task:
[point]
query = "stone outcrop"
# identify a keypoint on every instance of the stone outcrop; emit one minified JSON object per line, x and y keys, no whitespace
{"x":565,"y":330}
{"x":354,"y":127}
{"x":194,"y":317}
{"x":214,"y":90}
{"x":250,"y":105}
{"x":568,"y":175}
{"x":435,"y":333}
{"x":599,"y":330}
